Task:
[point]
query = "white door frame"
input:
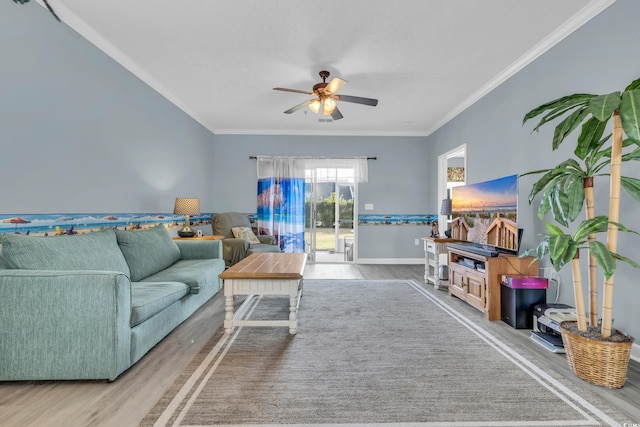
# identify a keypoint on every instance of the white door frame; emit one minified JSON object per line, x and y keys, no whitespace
{"x":460,"y":151}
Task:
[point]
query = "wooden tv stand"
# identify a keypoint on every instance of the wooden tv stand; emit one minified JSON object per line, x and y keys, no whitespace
{"x":479,"y":288}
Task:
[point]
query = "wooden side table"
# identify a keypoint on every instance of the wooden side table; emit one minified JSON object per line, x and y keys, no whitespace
{"x":213,"y":237}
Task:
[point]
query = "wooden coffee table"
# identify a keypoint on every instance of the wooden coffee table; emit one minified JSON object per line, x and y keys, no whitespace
{"x":265,"y":274}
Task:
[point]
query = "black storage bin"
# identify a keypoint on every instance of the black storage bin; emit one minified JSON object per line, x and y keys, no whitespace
{"x":516,"y":303}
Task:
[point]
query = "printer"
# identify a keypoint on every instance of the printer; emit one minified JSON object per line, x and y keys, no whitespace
{"x":546,"y":324}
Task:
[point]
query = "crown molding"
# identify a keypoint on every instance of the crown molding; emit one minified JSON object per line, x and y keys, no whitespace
{"x":285,"y":132}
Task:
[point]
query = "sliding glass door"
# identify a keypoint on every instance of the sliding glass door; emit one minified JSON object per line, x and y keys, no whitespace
{"x":330,"y":198}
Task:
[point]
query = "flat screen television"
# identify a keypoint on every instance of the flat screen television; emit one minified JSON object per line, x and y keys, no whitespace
{"x":485,"y":215}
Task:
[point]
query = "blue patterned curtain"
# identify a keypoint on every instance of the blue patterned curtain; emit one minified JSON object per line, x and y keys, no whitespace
{"x":281,"y":201}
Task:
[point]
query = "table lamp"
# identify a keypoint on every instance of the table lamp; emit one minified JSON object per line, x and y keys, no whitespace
{"x":188,"y":207}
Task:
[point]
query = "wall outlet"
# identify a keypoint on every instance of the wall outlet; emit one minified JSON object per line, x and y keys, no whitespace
{"x":547,"y":272}
{"x":417,"y":242}
{"x":368,"y":206}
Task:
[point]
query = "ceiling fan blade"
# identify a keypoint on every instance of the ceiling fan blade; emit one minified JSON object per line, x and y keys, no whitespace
{"x":336,"y":115}
{"x":334,"y":85}
{"x":357,"y":100}
{"x":293,"y":90}
{"x":298,"y":107}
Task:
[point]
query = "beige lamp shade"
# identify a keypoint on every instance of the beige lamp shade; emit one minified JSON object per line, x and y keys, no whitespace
{"x":186,"y":206}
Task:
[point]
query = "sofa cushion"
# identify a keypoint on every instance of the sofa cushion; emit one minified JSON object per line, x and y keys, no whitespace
{"x":196,"y":273}
{"x":244,"y":233}
{"x":150,"y":298}
{"x":92,"y":251}
{"x":147,"y":251}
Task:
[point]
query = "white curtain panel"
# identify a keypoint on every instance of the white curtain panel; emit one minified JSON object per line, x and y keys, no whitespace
{"x":341,"y":170}
{"x":280,"y":167}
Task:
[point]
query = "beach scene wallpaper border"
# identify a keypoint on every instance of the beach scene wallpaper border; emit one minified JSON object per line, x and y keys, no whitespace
{"x":397,"y":219}
{"x":79,"y":223}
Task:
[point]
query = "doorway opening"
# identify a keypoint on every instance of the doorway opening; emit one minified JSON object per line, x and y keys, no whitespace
{"x":330,"y":199}
{"x":452,"y":171}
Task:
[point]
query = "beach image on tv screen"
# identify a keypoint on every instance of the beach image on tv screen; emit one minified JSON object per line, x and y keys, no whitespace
{"x":486,"y":212}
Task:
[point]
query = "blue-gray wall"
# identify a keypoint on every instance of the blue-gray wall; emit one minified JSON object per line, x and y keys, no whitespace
{"x":601,"y":57}
{"x":397,"y":182}
{"x":80,"y":134}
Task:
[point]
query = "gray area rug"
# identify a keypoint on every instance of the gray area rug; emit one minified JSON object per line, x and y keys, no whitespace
{"x":369,"y":353}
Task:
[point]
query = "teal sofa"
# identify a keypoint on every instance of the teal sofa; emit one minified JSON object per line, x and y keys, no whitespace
{"x":89,"y":306}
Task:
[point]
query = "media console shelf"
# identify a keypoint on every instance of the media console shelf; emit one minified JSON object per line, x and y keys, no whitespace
{"x":480,"y":287}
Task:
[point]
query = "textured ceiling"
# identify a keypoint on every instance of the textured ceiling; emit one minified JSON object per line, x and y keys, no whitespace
{"x":425,"y":60}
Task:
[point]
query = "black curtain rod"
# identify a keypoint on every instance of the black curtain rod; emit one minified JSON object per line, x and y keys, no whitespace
{"x":368,"y":158}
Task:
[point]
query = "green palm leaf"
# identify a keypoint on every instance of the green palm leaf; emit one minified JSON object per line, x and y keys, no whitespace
{"x":567,"y":126}
{"x":590,"y":137}
{"x":545,"y":206}
{"x":566,"y":103}
{"x":631,"y":186}
{"x":597,"y":224}
{"x":559,"y":203}
{"x":603,"y":106}
{"x":631,"y":262}
{"x":562,"y":249}
{"x":633,"y":155}
{"x":633,"y":85}
{"x":604,"y":258}
{"x":554,"y":114}
{"x":630,"y":114}
{"x":542,"y":183}
{"x":595,"y":155}
{"x":538,"y":252}
{"x":575,"y":196}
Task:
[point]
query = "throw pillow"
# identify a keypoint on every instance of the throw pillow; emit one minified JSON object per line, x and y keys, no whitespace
{"x":244,"y":233}
{"x":147,"y":251}
{"x":92,"y":251}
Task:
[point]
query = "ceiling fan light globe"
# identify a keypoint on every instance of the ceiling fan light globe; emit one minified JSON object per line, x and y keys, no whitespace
{"x":329,"y":106}
{"x":315,"y":106}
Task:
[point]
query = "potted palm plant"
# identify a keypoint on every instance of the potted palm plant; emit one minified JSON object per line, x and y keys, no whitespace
{"x":595,"y":350}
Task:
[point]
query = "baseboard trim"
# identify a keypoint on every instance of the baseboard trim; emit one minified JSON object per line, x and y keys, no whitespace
{"x":390,"y":261}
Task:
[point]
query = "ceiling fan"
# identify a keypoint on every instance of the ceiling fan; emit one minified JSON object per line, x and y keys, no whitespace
{"x":326,"y":97}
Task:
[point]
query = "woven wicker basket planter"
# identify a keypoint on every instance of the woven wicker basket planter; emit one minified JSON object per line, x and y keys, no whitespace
{"x":598,"y":362}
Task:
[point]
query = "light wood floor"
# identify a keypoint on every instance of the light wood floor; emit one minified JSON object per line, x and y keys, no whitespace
{"x":127,"y":400}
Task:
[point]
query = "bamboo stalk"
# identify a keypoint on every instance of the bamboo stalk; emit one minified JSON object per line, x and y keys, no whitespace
{"x":614,"y":215}
{"x":578,"y":293}
{"x":589,"y":200}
